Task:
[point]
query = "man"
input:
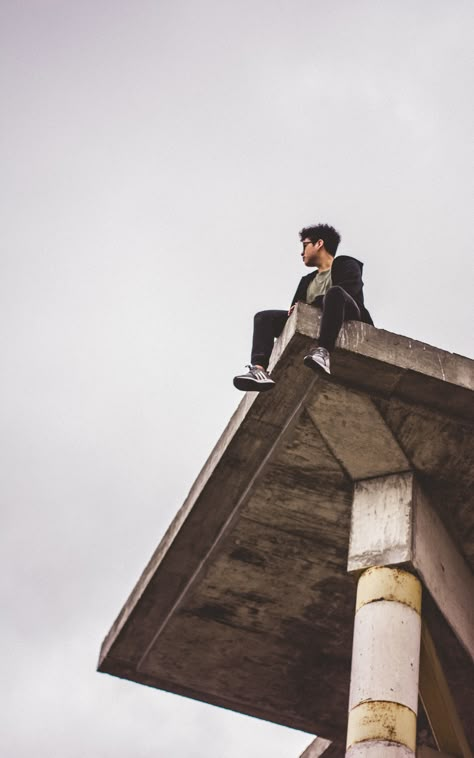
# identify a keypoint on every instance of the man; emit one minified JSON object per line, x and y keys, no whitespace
{"x":336,"y":286}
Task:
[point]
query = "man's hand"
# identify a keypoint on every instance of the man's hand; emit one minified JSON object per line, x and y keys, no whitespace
{"x":291,"y":309}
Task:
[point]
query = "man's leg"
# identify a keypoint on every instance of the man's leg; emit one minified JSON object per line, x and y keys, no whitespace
{"x":267,"y":326}
{"x":338,"y":307}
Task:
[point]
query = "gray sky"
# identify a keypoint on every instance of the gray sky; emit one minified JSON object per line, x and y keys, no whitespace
{"x":158,"y":160}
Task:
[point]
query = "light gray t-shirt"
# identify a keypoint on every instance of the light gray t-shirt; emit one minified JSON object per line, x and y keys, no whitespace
{"x":319,"y":285}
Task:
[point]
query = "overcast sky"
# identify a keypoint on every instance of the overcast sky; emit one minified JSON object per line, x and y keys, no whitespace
{"x":157,"y":162}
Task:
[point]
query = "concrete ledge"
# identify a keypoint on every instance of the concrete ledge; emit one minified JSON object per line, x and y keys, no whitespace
{"x":392,"y":364}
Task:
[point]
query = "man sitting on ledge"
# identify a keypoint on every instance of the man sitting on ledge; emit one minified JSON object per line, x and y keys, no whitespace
{"x":336,"y":287}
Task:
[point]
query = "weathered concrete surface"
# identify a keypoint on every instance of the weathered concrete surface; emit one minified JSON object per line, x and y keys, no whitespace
{"x":382,"y":522}
{"x":387,"y":647}
{"x":383,"y":700}
{"x":246,"y":602}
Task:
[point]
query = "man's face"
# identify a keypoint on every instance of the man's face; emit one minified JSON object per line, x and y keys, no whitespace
{"x":312,"y":252}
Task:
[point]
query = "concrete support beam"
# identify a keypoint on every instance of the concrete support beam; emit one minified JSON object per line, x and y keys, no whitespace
{"x":428,"y":752}
{"x":371,"y":449}
{"x":383,"y":696}
{"x":443,"y":570}
{"x":320,"y":747}
{"x":438,"y":703}
{"x":382,"y":522}
{"x":393,"y":523}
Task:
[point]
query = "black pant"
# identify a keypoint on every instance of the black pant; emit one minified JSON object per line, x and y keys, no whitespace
{"x":338,"y":307}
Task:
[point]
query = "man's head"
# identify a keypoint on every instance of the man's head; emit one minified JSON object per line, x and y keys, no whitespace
{"x":320,"y":244}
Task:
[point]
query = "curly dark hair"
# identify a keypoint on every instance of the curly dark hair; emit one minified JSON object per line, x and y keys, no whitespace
{"x":324,"y":232}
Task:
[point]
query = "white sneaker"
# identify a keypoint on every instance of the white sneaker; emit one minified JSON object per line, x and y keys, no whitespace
{"x":255,"y":380}
{"x":318,"y":359}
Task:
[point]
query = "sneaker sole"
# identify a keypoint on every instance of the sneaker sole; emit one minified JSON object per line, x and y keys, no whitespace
{"x":249,"y":385}
{"x":309,"y":362}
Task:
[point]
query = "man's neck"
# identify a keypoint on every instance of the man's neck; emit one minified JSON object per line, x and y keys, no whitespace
{"x":326,"y":263}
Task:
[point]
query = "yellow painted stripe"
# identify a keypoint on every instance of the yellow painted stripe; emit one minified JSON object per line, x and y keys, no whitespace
{"x":382,"y":720}
{"x":384,"y":583}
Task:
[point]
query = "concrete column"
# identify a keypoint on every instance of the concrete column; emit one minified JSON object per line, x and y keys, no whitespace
{"x":385,"y":664}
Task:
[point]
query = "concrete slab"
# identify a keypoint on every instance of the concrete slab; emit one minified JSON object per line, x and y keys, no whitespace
{"x":246,"y":602}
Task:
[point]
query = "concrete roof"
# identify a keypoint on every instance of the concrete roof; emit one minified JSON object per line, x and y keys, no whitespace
{"x":247,"y":603}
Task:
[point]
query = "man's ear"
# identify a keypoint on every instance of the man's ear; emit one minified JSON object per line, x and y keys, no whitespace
{"x":319,"y":244}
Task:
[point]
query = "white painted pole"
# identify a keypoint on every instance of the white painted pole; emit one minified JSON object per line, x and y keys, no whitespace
{"x":385,"y":665}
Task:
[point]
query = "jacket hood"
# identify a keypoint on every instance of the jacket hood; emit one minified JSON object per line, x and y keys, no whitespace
{"x":347,"y":258}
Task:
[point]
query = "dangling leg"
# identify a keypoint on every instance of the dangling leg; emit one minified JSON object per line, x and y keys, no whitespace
{"x":268,"y":325}
{"x":338,"y":307}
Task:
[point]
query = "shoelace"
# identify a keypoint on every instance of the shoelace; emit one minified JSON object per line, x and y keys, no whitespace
{"x":322,"y":352}
{"x":258,"y":373}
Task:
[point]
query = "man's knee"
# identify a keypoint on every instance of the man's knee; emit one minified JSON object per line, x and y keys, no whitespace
{"x":335,"y":293}
{"x":262,"y":316}
{"x":334,"y":300}
{"x":337,"y":300}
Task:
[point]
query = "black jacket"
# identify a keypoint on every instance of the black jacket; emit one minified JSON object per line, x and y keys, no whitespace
{"x":346,"y":272}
